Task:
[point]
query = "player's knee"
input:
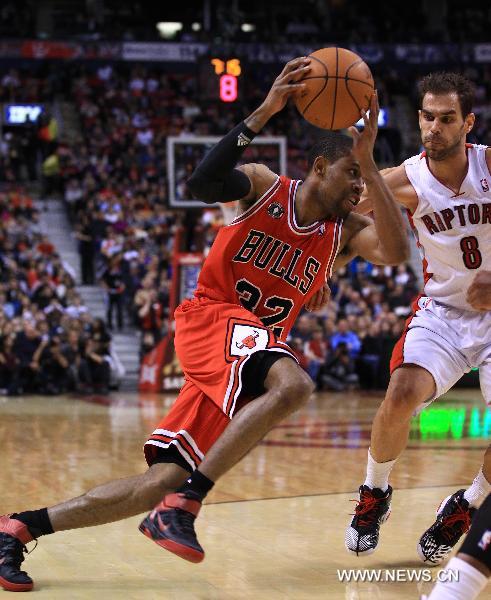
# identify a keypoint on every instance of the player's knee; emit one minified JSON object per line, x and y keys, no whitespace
{"x":402,"y":398}
{"x":162,"y":478}
{"x":296,"y":390}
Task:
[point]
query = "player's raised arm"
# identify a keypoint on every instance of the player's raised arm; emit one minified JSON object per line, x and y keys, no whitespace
{"x":216,"y":179}
{"x":383,"y":241}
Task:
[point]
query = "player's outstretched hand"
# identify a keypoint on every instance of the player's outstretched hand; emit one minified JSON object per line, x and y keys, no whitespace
{"x":479,"y":292}
{"x":287,"y":84}
{"x":363,"y":142}
{"x":319,"y":299}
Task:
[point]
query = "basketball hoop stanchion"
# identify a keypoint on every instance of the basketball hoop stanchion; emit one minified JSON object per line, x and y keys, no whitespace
{"x":160,"y":369}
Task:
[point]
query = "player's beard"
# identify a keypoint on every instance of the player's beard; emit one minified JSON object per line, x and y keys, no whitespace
{"x":344,"y":206}
{"x":445,"y":151}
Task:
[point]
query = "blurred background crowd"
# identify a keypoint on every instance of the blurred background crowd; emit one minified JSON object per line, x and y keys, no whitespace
{"x":101,"y":145}
{"x":49,"y":343}
{"x":339,"y":21}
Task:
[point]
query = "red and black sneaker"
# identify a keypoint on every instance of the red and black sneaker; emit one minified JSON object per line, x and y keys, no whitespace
{"x":171,"y":525}
{"x":372,"y":509}
{"x":453,"y":519}
{"x":14,"y":536}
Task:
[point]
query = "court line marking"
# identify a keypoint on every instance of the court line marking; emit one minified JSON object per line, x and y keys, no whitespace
{"x":423,"y":487}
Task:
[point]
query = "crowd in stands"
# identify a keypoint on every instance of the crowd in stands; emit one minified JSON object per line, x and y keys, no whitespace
{"x":115,"y":186}
{"x":218,"y":21}
{"x":114,"y":183}
{"x":338,"y":21}
{"x":17,"y":18}
{"x":49,"y":343}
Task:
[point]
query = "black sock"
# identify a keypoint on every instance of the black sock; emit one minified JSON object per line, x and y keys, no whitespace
{"x":37,"y":521}
{"x":197,"y":483}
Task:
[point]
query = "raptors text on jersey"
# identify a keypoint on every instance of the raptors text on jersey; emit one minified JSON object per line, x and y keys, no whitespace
{"x":453,"y":230}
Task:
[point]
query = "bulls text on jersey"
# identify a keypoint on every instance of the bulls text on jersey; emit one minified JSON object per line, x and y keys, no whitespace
{"x":279,"y":258}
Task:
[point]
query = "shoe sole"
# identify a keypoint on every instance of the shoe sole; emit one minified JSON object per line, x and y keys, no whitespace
{"x":428,"y":561}
{"x":384,"y":519}
{"x":179,"y":549}
{"x":9,"y":586}
{"x":364,"y":553}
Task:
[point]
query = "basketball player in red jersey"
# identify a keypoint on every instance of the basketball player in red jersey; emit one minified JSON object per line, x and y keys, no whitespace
{"x":241,"y":376}
{"x":446,"y":191}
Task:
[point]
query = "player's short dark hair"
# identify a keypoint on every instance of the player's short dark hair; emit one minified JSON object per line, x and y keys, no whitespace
{"x":448,"y":83}
{"x":332,"y":146}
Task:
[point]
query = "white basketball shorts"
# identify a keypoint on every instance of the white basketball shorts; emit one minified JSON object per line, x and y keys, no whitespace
{"x":447,"y":342}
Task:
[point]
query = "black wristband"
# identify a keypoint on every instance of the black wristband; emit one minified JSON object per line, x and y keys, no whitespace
{"x":215,"y":179}
{"x":245,"y":137}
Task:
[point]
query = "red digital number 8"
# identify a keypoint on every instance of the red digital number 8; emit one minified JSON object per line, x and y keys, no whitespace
{"x":228,"y":88}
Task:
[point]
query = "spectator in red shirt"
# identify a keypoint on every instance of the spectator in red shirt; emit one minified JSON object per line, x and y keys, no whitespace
{"x":315,"y":350}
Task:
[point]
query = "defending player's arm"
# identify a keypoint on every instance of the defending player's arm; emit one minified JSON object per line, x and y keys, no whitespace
{"x":396,"y":179}
{"x":216,"y":179}
{"x":383,"y":240}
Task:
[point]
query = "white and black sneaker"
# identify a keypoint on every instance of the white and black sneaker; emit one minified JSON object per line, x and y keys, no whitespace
{"x":453,"y":519}
{"x":372,"y":509}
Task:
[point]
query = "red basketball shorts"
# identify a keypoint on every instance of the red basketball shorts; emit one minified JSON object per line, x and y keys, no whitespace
{"x":214,"y":340}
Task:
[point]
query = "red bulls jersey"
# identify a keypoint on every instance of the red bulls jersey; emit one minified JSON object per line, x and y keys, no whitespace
{"x":267,"y":262}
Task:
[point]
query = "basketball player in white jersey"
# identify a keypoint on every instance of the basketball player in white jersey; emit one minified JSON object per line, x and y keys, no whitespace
{"x":447,"y":192}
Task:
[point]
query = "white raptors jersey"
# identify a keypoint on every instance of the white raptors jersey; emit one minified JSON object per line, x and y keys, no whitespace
{"x":453,"y":230}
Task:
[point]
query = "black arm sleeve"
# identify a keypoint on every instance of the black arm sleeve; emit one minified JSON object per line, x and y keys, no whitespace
{"x":215,"y":179}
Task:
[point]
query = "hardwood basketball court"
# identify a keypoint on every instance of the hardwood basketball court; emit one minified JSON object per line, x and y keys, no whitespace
{"x":272,"y":528}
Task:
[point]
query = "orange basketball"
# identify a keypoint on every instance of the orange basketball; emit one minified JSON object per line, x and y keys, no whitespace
{"x":339,"y":85}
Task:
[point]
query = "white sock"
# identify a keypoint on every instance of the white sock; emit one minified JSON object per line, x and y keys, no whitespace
{"x":478,"y":491}
{"x":470,"y":584}
{"x":378,"y":473}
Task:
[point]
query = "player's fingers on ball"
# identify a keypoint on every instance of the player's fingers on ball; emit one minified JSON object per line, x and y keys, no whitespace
{"x":295,"y":76}
{"x":298,"y":89}
{"x":295,"y":63}
{"x":355,"y":134}
{"x":374,"y":106}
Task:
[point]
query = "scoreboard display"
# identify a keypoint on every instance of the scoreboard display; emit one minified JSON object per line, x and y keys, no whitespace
{"x":221,"y":78}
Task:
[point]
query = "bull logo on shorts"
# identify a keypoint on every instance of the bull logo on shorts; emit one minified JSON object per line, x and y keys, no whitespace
{"x":485,"y":540}
{"x":248,"y":342}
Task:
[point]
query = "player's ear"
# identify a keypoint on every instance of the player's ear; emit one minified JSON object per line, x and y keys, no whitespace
{"x":469,"y":122}
{"x":320,"y":166}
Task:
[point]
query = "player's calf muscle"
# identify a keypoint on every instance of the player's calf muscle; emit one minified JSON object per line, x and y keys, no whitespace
{"x":118,"y":499}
